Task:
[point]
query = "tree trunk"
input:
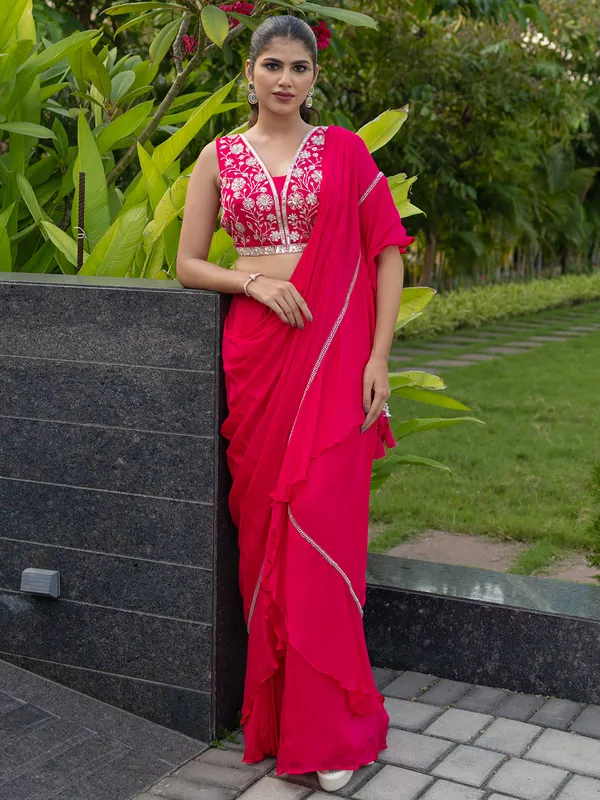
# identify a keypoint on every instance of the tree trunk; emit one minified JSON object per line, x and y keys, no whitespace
{"x":429,"y":260}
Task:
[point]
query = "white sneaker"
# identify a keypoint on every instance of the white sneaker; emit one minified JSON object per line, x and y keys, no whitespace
{"x":332,"y":781}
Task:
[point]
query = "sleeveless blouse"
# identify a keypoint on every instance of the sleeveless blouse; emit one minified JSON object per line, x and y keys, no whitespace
{"x":266,"y":214}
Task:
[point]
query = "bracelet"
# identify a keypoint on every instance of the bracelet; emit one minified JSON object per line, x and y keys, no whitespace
{"x":252,"y":277}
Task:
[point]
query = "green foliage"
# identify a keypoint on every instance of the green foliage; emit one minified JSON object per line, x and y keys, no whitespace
{"x":479,"y":305}
{"x":594,"y":529}
{"x":75,"y":105}
{"x":421,"y":387}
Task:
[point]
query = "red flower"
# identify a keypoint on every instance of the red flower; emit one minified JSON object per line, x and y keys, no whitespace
{"x":189,"y":45}
{"x":323,"y":35}
{"x":240,"y":7}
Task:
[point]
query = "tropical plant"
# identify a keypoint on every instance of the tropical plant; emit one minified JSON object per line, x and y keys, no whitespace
{"x":421,"y":387}
{"x":71,"y":198}
{"x":593,"y":559}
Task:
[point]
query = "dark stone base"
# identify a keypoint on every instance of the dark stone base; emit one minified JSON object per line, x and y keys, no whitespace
{"x":517,"y":632}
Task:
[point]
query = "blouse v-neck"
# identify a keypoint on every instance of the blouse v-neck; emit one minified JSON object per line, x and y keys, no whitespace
{"x":292,"y":163}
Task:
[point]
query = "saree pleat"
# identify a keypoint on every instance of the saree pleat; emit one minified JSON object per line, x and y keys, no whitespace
{"x":300,"y":491}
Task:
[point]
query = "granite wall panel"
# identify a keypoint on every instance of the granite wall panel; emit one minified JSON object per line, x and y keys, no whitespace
{"x":113,"y":471}
{"x":155,"y":528}
{"x":116,"y":395}
{"x":113,"y":581}
{"x":128,"y":643}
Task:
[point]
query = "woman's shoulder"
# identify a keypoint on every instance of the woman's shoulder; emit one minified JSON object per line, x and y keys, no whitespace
{"x":348,"y":138}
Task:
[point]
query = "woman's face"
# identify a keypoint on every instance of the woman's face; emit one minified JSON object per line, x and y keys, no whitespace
{"x":283,"y":75}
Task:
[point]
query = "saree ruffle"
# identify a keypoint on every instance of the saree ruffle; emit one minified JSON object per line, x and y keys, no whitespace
{"x":301,"y":472}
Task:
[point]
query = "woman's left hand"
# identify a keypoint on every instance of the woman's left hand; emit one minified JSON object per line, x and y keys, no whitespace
{"x":376,"y":389}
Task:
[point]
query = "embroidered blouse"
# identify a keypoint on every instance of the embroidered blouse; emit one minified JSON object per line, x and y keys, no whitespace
{"x":266,"y":214}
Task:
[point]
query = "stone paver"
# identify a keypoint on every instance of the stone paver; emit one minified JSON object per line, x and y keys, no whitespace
{"x":549,"y":339}
{"x":444,"y":790}
{"x":531,"y":782}
{"x":445,"y":692}
{"x":478,"y":357}
{"x":447,"y":362}
{"x":459,"y":726}
{"x":469,"y":339}
{"x":525,"y":343}
{"x":557,"y":713}
{"x":519,"y":706}
{"x":176,"y":789}
{"x":410,"y":715}
{"x":409,"y":685}
{"x":589,"y":328}
{"x":579,"y":788}
{"x":274,"y":789}
{"x":411,"y":750}
{"x":482,"y":699}
{"x":508,"y":736}
{"x":383,"y":677}
{"x":588,"y":722}
{"x":567,"y":751}
{"x":469,"y":765}
{"x":505,"y":351}
{"x":393,"y":783}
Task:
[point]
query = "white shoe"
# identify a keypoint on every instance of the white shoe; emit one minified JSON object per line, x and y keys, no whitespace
{"x":332,"y":781}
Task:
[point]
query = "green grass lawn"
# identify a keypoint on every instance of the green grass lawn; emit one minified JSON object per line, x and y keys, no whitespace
{"x":525,"y":476}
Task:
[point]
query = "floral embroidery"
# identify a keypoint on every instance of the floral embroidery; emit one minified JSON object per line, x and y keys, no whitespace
{"x":254,"y":214}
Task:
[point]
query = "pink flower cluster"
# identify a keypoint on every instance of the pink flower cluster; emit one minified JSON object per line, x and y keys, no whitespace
{"x":239,"y":7}
{"x":189,"y":45}
{"x":323,"y":35}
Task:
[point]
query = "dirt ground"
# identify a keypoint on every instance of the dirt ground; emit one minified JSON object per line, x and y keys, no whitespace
{"x":479,"y":551}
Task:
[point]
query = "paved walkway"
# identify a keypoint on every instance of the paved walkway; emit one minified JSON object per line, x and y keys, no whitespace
{"x":448,"y":740}
{"x":468,"y":347}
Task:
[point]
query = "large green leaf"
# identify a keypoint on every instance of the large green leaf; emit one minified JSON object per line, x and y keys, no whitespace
{"x":220,"y":245}
{"x":123,"y":126}
{"x":27,"y":129}
{"x":429,"y":397}
{"x":139,"y":8}
{"x":414,"y":300}
{"x":5,"y":256}
{"x":97,"y":215}
{"x":62,"y":241}
{"x":407,"y":209}
{"x":52,"y":54}
{"x":168,"y":151}
{"x":215,"y":24}
{"x":121,"y":84}
{"x":170,"y":205}
{"x":156,"y":186}
{"x":162,"y":43}
{"x":10,"y":14}
{"x":428,"y":423}
{"x":384,"y":467}
{"x":16,"y":55}
{"x":42,"y":260}
{"x":30,"y":199}
{"x":400,"y":186}
{"x":115,"y":252}
{"x":350,"y":17}
{"x":97,"y":74}
{"x":424,"y":380}
{"x":380,"y":130}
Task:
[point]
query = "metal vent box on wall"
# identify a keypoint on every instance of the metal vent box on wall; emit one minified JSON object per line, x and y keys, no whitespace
{"x":113,"y":473}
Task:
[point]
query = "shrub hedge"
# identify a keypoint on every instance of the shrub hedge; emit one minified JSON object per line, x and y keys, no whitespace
{"x":480,"y":305}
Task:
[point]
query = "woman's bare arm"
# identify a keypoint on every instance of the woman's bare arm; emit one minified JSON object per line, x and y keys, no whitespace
{"x":376,"y":383}
{"x":195,"y":272}
{"x":199,"y":218}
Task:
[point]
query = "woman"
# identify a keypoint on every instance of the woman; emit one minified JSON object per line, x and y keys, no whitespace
{"x":317,"y":288}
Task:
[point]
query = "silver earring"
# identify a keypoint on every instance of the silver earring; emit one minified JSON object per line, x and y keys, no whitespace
{"x":252,"y":98}
{"x":308,"y":102}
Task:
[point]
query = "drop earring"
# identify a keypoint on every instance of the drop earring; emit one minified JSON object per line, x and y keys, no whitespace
{"x":309,"y":98}
{"x":252,"y":98}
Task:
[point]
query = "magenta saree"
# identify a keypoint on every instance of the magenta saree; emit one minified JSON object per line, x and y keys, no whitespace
{"x":301,"y":471}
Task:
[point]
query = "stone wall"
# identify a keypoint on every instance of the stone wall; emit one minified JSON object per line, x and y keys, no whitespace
{"x":112,"y":471}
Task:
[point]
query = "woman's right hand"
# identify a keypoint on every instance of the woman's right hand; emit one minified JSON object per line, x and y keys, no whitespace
{"x":282,"y":297}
